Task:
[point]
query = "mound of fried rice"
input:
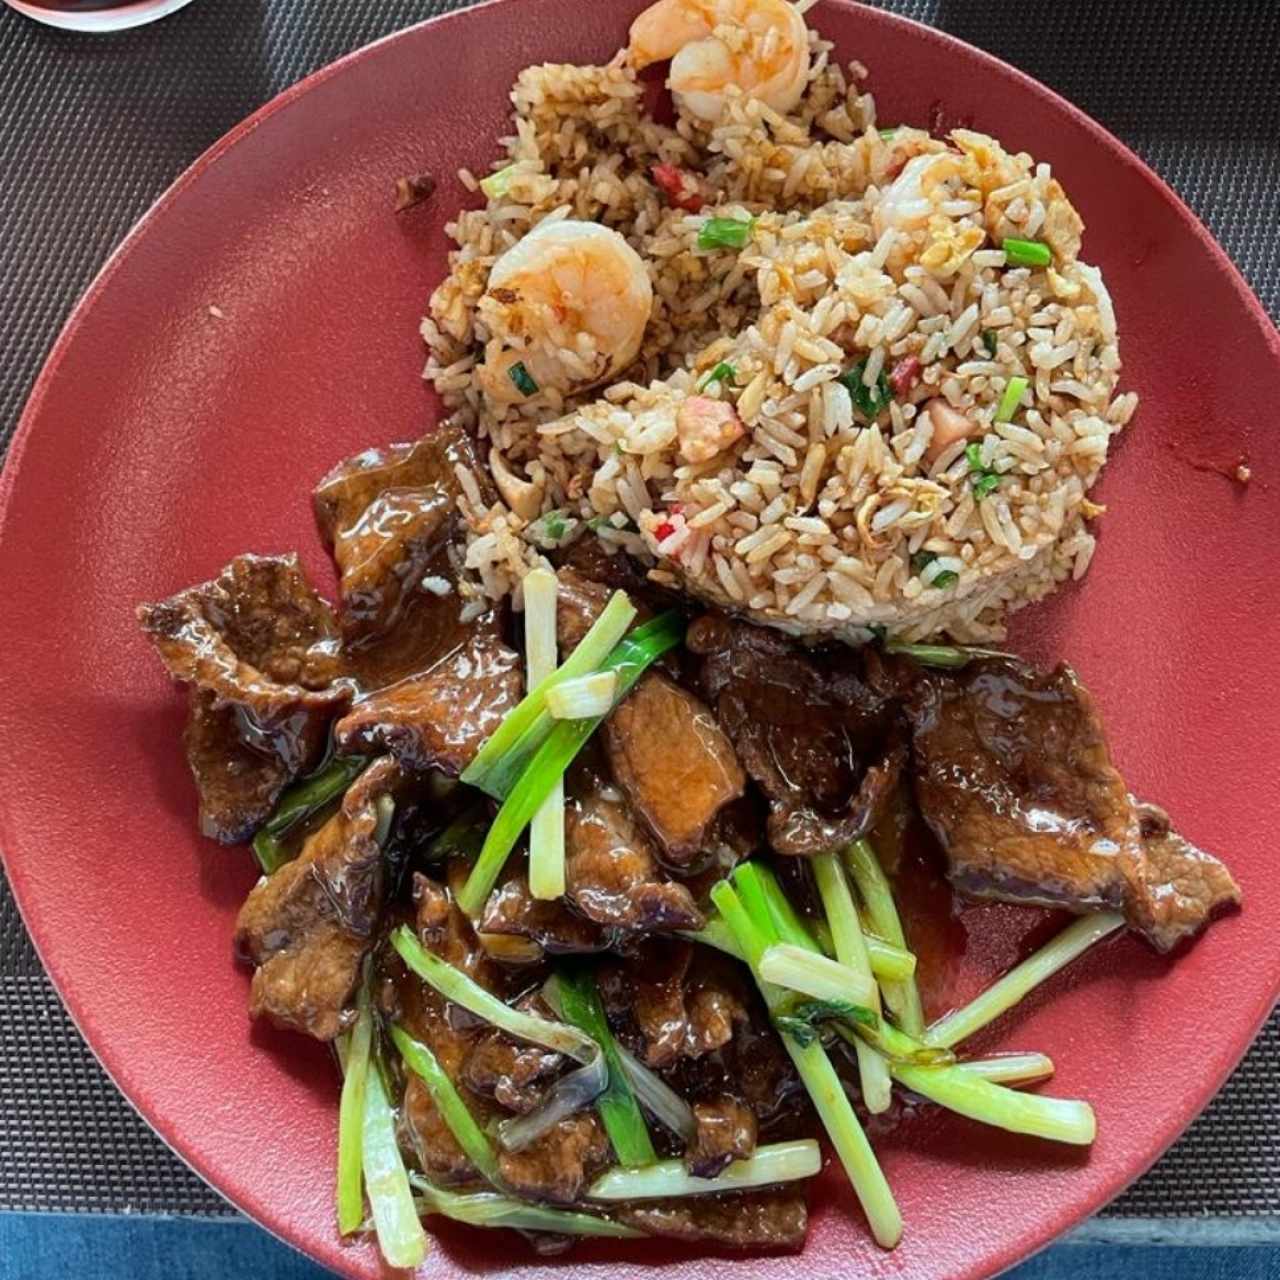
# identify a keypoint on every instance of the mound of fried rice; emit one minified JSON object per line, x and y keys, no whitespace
{"x":819,"y":520}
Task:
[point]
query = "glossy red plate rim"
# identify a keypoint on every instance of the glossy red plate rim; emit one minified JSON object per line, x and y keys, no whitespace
{"x":81,"y":1011}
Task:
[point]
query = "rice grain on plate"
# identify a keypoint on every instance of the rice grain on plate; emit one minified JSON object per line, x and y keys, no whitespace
{"x":862,"y":339}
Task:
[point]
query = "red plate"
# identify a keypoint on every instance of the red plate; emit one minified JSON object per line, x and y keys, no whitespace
{"x":164,"y":436}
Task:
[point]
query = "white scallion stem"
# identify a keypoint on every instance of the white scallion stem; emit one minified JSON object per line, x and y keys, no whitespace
{"x":814,"y":975}
{"x":851,"y":951}
{"x":780,"y":1162}
{"x":657,"y":1097}
{"x":877,"y":897}
{"x":1073,"y":941}
{"x":968,"y":1094}
{"x":1011,"y":1068}
{"x":395,"y":1217}
{"x":546,"y":831}
{"x":585,"y":697}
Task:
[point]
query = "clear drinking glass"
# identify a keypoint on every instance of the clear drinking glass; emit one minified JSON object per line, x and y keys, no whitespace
{"x":96,"y":15}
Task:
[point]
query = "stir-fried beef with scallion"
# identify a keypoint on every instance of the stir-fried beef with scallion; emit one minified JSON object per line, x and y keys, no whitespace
{"x":588,"y":897}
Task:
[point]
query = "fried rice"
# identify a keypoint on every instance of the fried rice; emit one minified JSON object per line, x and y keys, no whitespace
{"x":831,"y":515}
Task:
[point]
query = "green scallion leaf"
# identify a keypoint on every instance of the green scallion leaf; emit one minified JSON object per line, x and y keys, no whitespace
{"x":947,"y":578}
{"x":497,"y":184}
{"x":886,"y":134}
{"x":1026,"y":253}
{"x":985,"y":483}
{"x":723,"y":372}
{"x":989,"y":342}
{"x":870,"y":400}
{"x":725,"y":233}
{"x":525,"y":384}
{"x":973,"y":453}
{"x":1013,"y":393}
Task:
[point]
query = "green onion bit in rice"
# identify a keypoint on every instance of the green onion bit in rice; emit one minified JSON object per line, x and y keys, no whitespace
{"x":521,"y":376}
{"x":723,"y":372}
{"x":922,"y":560}
{"x":886,"y":134}
{"x":496,"y":185}
{"x":1013,"y":394}
{"x":1026,"y":253}
{"x":725,"y":233}
{"x":984,"y":480}
{"x":870,"y":400}
{"x":989,"y":342}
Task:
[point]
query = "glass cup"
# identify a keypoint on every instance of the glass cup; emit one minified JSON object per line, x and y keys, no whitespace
{"x":96,"y":15}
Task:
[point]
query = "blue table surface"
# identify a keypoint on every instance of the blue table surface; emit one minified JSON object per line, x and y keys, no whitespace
{"x":37,"y":1246}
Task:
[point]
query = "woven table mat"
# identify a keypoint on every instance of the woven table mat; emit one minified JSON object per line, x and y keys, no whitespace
{"x":93,"y":128}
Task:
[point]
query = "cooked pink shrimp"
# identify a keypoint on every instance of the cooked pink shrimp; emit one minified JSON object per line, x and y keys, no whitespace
{"x":566,"y":307}
{"x":759,"y":46}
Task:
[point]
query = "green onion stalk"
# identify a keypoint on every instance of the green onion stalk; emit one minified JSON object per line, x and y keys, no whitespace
{"x":573,"y":995}
{"x":1073,"y":941}
{"x":490,"y":1209}
{"x":851,"y":950}
{"x":448,"y":1101}
{"x":300,"y":802}
{"x":527,"y":726}
{"x":401,"y":1238}
{"x":633,"y":655}
{"x":570,"y":1093}
{"x":358,"y":1046}
{"x":754,"y":930}
{"x":766,"y":1167}
{"x":903,"y":998}
{"x":1011,"y":1068}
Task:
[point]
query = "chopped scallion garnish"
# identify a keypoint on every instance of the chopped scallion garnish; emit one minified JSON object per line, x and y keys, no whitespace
{"x":351,"y":1117}
{"x":523,"y":379}
{"x":986,"y":483}
{"x":401,"y":1239}
{"x":1026,"y":253}
{"x":886,"y":134}
{"x":989,"y":342}
{"x":583,"y":697}
{"x":725,"y":233}
{"x":802,"y":970}
{"x":723,"y":372}
{"x":870,"y":400}
{"x":498,"y":183}
{"x":489,"y":1209}
{"x":1013,"y":393}
{"x":546,"y":831}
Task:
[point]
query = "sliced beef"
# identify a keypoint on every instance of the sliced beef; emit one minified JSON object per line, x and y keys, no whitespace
{"x":308,"y":927}
{"x":238,"y":785}
{"x":673,"y":761}
{"x":1185,"y":887}
{"x":387,"y":515}
{"x":427,"y":1134}
{"x":260,"y":650}
{"x":670,"y":1000}
{"x":512,"y":1073}
{"x":726,"y":1132}
{"x":513,"y":911}
{"x":440,"y":719}
{"x":741,"y":1220}
{"x":808,"y":728}
{"x":1013,"y":775}
{"x":559,"y":1166}
{"x":611,"y":870}
{"x":664,"y":746}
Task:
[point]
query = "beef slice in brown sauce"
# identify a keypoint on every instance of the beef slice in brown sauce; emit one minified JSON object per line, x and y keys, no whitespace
{"x":726,"y":1131}
{"x":308,"y":926}
{"x":1013,"y":775}
{"x":387,"y":515}
{"x":513,"y":912}
{"x":808,"y":727}
{"x":611,"y":869}
{"x":441,"y":718}
{"x":260,"y":650}
{"x":775,"y":1219}
{"x":669,"y":1000}
{"x":664,"y":746}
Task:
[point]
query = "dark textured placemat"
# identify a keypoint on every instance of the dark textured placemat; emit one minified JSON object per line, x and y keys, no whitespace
{"x":92,"y":129}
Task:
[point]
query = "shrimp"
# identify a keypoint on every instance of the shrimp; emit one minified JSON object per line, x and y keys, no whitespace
{"x":759,"y":46}
{"x":566,"y":308}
